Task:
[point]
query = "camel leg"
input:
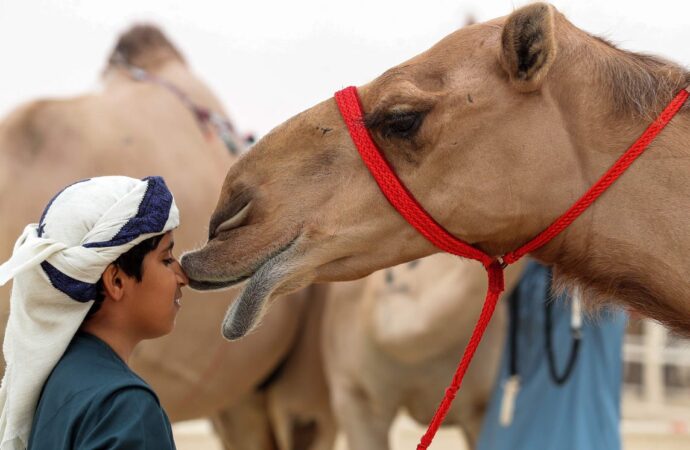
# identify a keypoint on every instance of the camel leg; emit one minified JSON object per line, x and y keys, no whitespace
{"x":325,"y":438}
{"x":317,"y":434}
{"x":365,"y":425}
{"x":471,"y":425}
{"x":280,"y":423}
{"x":290,"y":432}
{"x":294,"y":433}
{"x":245,"y":425}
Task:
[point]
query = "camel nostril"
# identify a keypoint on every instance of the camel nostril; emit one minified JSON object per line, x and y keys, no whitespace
{"x":235,"y":221}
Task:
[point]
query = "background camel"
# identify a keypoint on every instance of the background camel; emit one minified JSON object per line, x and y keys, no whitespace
{"x":392,"y":342}
{"x":497,"y":130}
{"x":140,"y":128}
{"x":389,"y":342}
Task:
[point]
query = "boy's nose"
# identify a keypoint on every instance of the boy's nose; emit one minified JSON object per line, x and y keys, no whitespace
{"x":181,"y":275}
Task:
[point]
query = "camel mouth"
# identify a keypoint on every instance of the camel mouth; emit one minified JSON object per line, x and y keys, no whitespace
{"x":199,"y":284}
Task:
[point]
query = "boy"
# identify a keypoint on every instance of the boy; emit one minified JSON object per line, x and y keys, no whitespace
{"x":92,"y":279}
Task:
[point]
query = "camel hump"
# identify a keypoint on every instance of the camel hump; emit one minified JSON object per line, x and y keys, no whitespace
{"x":37,"y":127}
{"x":145,"y":46}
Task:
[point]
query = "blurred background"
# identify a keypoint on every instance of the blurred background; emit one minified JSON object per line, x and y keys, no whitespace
{"x":268,"y":60}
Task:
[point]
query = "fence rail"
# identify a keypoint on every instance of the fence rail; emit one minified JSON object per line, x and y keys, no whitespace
{"x":657,"y":363}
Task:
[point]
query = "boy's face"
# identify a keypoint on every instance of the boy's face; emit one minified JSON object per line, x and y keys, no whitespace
{"x":155,"y":300}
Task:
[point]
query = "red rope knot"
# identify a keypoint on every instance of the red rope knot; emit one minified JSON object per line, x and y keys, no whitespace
{"x":496,"y":281}
{"x":424,"y":444}
{"x":451,"y":391}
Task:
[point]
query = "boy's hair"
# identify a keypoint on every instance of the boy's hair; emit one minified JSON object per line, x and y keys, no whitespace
{"x":131,"y":263}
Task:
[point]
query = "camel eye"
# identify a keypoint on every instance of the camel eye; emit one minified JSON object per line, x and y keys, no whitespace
{"x":401,"y":125}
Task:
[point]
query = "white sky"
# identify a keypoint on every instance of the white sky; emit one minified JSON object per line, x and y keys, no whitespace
{"x":268,"y":60}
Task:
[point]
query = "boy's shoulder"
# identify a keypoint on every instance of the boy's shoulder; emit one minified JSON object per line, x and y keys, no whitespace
{"x":91,"y":390}
{"x":90,"y":372}
{"x":94,"y":363}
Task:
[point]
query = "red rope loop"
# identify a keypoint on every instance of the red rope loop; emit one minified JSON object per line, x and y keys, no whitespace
{"x":404,"y":202}
{"x":606,"y":180}
{"x":391,"y":186}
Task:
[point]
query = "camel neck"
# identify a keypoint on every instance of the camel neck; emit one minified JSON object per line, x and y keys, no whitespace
{"x":630,"y":244}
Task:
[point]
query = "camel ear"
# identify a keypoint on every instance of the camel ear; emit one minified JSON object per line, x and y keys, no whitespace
{"x":528,"y":45}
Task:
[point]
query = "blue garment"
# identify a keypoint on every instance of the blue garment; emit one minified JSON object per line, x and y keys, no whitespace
{"x":583,"y":413}
{"x":92,"y":400}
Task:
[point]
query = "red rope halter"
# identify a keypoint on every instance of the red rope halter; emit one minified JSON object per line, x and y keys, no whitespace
{"x":404,"y":202}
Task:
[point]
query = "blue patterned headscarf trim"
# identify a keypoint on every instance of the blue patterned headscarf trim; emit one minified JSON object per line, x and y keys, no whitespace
{"x":150,"y":218}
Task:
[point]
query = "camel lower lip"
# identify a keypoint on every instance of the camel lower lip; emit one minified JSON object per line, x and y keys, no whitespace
{"x":204,"y":285}
{"x":247,"y":310}
{"x":215,"y":285}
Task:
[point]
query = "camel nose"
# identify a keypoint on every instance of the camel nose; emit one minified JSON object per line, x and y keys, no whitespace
{"x":242,"y":207}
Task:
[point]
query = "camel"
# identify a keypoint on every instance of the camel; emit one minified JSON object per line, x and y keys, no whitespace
{"x":391,"y":342}
{"x":496,"y":130}
{"x":140,"y":128}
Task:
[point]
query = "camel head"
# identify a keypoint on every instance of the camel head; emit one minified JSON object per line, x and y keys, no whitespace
{"x":480,"y":128}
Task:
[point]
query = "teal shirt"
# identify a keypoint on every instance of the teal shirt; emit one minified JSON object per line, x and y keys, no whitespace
{"x":93,"y":400}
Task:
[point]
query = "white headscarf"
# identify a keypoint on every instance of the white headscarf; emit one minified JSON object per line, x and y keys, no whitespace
{"x":55,"y":266}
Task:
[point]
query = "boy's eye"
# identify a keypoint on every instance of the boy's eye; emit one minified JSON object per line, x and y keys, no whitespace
{"x":168,"y":261}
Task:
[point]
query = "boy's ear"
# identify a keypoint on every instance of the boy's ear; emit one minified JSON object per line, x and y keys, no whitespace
{"x":113,"y":283}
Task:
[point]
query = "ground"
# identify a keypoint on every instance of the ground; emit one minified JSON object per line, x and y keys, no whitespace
{"x":639,"y":434}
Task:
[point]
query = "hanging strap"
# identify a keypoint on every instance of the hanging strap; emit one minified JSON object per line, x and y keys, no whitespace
{"x":511,"y":387}
{"x":575,"y":331}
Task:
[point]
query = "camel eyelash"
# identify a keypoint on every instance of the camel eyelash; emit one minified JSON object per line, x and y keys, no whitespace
{"x":395,"y":124}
